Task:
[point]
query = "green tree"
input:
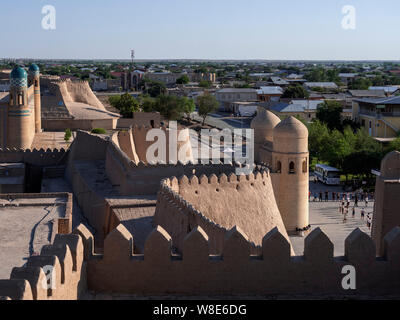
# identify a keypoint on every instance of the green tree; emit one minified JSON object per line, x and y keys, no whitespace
{"x":126,"y":104}
{"x":360,"y":84}
{"x":170,"y":107}
{"x":394,"y":146}
{"x":188,"y":106}
{"x":147,"y":103}
{"x":68,"y":135}
{"x":205,"y":84}
{"x":318,"y":133}
{"x":296,"y":92}
{"x":183,"y":80}
{"x":361,"y":162}
{"x":330,"y":112}
{"x":206,"y":104}
{"x":99,"y":131}
{"x":335,"y":149}
{"x":155,"y":88}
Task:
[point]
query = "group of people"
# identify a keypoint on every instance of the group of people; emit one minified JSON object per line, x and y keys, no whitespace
{"x":344,"y":208}
{"x":344,"y":200}
{"x":340,"y":196}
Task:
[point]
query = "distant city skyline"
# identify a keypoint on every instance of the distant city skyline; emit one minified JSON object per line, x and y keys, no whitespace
{"x":201,"y":30}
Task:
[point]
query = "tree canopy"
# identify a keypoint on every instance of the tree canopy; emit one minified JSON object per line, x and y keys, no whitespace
{"x":354,"y":152}
{"x":330,"y":112}
{"x":170,"y":107}
{"x":155,"y":88}
{"x":126,"y":104}
{"x":205,"y":84}
{"x":183,"y":80}
{"x":206,"y":103}
{"x":296,"y":92}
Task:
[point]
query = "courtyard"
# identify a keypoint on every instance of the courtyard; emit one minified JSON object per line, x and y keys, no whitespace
{"x":327,"y":216}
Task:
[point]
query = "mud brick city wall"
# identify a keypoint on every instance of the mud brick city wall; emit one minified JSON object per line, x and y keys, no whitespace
{"x":68,"y":278}
{"x":275,"y":271}
{"x":214,"y":204}
{"x":35,"y":157}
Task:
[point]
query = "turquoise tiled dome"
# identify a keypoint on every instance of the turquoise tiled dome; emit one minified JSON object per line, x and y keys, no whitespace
{"x":34,"y":68}
{"x":18,"y":73}
{"x":18,"y":77}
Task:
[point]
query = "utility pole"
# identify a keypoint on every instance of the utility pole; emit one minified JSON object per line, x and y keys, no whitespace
{"x":132,"y":65}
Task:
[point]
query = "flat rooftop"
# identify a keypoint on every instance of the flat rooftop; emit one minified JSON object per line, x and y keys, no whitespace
{"x":26,"y":225}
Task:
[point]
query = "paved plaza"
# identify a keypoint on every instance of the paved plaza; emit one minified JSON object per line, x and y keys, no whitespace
{"x":327,"y":216}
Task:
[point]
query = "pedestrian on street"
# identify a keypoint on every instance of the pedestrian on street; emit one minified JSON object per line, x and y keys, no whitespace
{"x":362,"y":213}
{"x":326,"y":196}
{"x":369,"y":221}
{"x":353,"y":213}
{"x":356,"y":201}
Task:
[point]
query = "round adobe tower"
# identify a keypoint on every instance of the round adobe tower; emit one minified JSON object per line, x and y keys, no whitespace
{"x":290,"y":163}
{"x":20,"y":115}
{"x":263,"y":125}
{"x":34,"y":79}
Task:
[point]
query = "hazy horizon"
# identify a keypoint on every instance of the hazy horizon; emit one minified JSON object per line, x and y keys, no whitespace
{"x":258,"y":30}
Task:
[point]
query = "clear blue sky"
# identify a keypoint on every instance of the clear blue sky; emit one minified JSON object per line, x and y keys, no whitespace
{"x":201,"y":29}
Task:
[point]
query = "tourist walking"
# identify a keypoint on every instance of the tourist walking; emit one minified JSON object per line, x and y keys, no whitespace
{"x":356,"y":200}
{"x":326,"y":196}
{"x":320,"y":196}
{"x":362,"y":213}
{"x":353,"y":213}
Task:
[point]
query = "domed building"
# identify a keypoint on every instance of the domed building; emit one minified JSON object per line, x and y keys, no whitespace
{"x":290,"y":135}
{"x":263,"y":125}
{"x":19,"y":107}
{"x":285,"y":151}
{"x":34,"y":79}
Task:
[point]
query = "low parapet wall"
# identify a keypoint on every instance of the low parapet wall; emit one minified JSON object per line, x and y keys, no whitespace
{"x":64,"y":224}
{"x":196,"y":272}
{"x":141,"y":179}
{"x":49,"y":157}
{"x":140,"y":119}
{"x":58,"y":273}
{"x":78,"y":124}
{"x":236,"y":272}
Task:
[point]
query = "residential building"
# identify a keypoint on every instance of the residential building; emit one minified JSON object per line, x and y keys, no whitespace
{"x":389,"y":90}
{"x":305,"y":109}
{"x":380,"y":117}
{"x":229,"y":95}
{"x":266,"y":94}
{"x":348,"y":78}
{"x":321,"y":85}
{"x":277,"y":81}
